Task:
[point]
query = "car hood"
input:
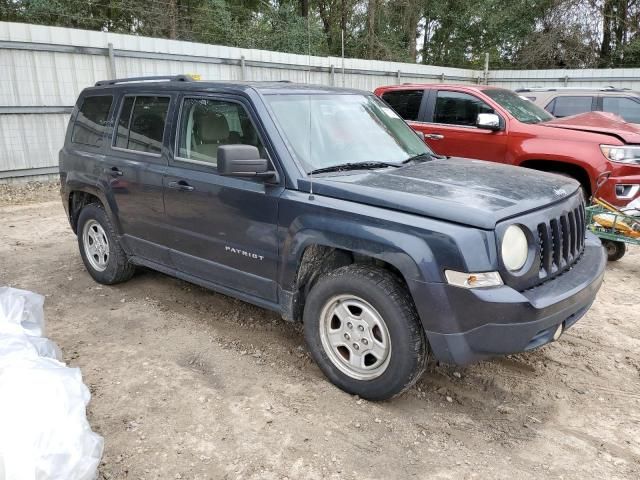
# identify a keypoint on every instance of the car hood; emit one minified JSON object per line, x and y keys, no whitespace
{"x":465,"y":191}
{"x":599,"y":122}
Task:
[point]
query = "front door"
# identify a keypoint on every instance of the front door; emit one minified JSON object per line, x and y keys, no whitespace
{"x":449,"y":127}
{"x":223,"y":229}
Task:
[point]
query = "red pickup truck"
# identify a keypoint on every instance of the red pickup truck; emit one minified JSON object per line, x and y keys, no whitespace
{"x":498,"y":125}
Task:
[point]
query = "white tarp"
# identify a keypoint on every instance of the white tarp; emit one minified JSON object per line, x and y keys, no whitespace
{"x":44,"y":432}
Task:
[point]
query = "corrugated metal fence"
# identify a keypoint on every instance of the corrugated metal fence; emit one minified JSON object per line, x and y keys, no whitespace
{"x":43,"y":69}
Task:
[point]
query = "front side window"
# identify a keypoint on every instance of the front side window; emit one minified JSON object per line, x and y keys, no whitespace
{"x":405,"y":102}
{"x":567,"y":106}
{"x":141,"y":124}
{"x":456,"y":108}
{"x":91,"y":121}
{"x":205,"y":124}
{"x":325,"y":130}
{"x":627,"y":108}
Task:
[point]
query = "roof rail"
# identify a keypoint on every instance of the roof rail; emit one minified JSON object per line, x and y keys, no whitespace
{"x":157,"y":78}
{"x":608,"y":88}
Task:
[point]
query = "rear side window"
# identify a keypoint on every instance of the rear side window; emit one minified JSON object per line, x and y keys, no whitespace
{"x":406,"y":102}
{"x":91,"y":121}
{"x":567,"y":106}
{"x":627,"y":108}
{"x":141,"y":124}
{"x":456,"y":108}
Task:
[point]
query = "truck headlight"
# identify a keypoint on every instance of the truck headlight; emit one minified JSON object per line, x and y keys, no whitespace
{"x":515,"y":248}
{"x":621,"y":154}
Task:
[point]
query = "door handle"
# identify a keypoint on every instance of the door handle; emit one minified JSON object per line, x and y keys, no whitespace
{"x":181,"y":185}
{"x":115,"y":172}
{"x":434,"y":136}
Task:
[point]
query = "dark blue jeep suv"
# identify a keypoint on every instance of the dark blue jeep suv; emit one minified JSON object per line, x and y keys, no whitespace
{"x":323,"y":205}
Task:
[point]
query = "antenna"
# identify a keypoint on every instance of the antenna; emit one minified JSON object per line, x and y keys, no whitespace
{"x":309,"y":100}
{"x":342,"y":34}
{"x":308,"y":49}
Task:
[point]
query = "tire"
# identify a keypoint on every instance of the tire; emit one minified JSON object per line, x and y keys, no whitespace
{"x":375,"y":310}
{"x":100,"y":249}
{"x":615,"y":250}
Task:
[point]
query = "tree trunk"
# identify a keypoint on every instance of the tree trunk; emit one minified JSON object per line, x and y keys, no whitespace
{"x":371,"y":27}
{"x":605,"y":48}
{"x":172,"y":13}
{"x":412,"y":18}
{"x":304,"y":8}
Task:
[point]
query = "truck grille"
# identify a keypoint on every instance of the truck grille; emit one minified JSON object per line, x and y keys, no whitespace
{"x":561,"y":241}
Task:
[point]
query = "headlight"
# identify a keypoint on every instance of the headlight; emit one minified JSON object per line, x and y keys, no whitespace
{"x":515,"y":248}
{"x":621,"y":154}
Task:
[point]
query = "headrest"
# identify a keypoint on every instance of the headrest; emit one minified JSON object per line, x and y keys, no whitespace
{"x":212,"y":126}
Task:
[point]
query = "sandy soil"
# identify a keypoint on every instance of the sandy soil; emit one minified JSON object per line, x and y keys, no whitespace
{"x":190,"y":384}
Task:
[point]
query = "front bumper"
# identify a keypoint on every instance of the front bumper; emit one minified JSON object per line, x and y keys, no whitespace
{"x":471,"y":325}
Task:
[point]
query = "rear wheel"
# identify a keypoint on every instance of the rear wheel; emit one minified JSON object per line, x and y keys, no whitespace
{"x":615,"y":250}
{"x":103,"y":257}
{"x":364,"y":333}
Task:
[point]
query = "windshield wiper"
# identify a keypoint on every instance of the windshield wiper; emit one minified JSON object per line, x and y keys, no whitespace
{"x":353,"y":166}
{"x":423,"y":156}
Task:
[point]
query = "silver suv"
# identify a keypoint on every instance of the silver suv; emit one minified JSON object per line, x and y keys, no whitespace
{"x":563,"y":102}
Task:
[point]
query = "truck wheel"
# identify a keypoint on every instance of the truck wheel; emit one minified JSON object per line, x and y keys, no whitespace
{"x":101,"y":252}
{"x":615,"y":250}
{"x":363,"y":331}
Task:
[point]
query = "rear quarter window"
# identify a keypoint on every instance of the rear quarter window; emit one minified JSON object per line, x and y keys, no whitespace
{"x":91,"y":122}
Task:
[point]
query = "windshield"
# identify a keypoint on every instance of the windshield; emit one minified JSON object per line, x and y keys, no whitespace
{"x":325,"y":130}
{"x":524,"y":110}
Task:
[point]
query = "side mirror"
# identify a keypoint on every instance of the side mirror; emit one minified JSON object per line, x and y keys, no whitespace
{"x":488,"y":121}
{"x":242,"y":161}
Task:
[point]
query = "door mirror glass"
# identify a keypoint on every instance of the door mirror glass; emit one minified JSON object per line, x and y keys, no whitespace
{"x":242,"y":161}
{"x":488,"y":121}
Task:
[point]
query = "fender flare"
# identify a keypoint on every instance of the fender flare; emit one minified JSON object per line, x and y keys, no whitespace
{"x":108,"y":202}
{"x":407,"y":253}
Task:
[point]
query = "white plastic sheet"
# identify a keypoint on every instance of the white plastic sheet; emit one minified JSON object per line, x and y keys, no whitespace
{"x":44,"y":433}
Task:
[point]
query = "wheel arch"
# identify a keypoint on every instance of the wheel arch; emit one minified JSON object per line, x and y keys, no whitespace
{"x":574,"y":170}
{"x":313,"y":254}
{"x":80,"y":196}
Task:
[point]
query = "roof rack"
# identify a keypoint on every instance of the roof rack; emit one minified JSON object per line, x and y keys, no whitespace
{"x":157,"y":78}
{"x":608,"y":88}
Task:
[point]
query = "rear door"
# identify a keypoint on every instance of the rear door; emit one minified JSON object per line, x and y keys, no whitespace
{"x":449,"y":127}
{"x":223,"y":229}
{"x":134,"y":169}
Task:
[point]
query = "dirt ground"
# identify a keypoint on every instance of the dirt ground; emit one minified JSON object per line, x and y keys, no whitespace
{"x":190,"y":384}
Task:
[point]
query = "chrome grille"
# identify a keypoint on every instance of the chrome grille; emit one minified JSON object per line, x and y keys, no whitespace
{"x":561,"y":241}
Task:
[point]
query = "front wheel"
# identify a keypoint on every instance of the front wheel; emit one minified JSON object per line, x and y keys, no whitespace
{"x":615,"y":250}
{"x":364,"y":333}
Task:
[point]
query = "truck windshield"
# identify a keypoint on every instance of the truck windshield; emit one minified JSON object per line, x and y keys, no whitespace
{"x":521,"y":108}
{"x":326,"y":130}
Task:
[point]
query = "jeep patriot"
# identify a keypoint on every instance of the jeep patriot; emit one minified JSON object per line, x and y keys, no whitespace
{"x":323,"y":205}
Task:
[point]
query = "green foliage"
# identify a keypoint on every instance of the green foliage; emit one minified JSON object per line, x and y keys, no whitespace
{"x":515,"y":33}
